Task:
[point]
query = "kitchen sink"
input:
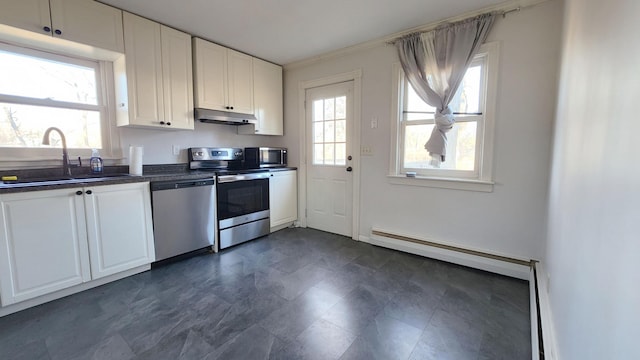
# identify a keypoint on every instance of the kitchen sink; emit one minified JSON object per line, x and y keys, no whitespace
{"x":58,"y":180}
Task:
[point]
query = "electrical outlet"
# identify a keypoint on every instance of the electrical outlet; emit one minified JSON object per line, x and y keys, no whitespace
{"x":374,"y":122}
{"x":366,"y":151}
{"x":176,"y":150}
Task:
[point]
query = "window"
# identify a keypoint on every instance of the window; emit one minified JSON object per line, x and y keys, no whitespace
{"x":330,"y":131}
{"x":469,"y":145}
{"x":40,"y":90}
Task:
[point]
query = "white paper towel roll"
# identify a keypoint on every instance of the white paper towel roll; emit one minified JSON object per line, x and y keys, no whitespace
{"x":135,"y":160}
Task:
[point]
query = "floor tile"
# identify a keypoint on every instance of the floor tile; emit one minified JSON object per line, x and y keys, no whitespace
{"x":384,"y":338}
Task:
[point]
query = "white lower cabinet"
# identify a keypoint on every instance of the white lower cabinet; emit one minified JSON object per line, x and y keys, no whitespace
{"x":55,"y":239}
{"x":283,"y":197}
{"x":119,"y":228}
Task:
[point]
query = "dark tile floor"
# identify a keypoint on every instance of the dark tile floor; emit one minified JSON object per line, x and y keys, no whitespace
{"x":295,"y":294}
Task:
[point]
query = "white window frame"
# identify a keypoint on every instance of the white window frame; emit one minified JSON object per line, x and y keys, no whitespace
{"x":481,"y":179}
{"x":20,"y":157}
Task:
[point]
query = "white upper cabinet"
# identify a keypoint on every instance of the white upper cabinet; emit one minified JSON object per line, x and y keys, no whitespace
{"x":223,"y":78}
{"x":267,"y":100}
{"x":154,"y":81}
{"x":83,"y":21}
{"x":177,"y":77}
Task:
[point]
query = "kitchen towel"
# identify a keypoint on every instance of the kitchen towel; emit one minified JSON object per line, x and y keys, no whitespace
{"x":135,"y":160}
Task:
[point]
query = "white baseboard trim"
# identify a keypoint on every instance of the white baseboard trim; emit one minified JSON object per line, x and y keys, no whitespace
{"x":546,"y":315}
{"x":10,"y":309}
{"x":455,"y":257}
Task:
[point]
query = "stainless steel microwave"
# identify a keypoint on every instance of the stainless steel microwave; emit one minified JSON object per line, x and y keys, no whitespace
{"x":264,"y":157}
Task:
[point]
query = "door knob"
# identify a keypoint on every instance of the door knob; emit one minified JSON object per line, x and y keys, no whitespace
{"x":349,"y":169}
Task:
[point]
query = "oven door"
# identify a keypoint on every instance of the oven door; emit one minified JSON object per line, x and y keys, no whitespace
{"x":242,"y":195}
{"x":243,"y":208}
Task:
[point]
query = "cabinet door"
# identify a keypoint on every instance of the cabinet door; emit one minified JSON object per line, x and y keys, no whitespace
{"x":210,"y":75}
{"x":283,"y":197}
{"x":240,"y":75}
{"x":177,"y":78}
{"x":43,"y":245}
{"x":143,"y":53}
{"x":88,"y":22}
{"x":119,"y":227}
{"x":267,"y":99}
{"x":32,"y":15}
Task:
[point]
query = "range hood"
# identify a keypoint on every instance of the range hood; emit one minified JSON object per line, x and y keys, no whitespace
{"x":224,"y":117}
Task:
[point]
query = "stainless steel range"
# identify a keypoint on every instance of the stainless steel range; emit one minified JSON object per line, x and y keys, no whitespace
{"x":242,"y":194}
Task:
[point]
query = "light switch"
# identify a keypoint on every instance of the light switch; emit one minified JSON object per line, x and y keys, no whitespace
{"x":176,"y":150}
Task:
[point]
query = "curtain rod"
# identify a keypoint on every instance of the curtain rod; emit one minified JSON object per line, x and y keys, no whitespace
{"x":504,"y":14}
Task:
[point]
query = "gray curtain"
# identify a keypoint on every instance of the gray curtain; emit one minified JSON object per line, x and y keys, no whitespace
{"x":435,"y":63}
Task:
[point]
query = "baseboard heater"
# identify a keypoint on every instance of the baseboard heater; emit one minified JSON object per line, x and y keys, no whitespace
{"x":453,"y":248}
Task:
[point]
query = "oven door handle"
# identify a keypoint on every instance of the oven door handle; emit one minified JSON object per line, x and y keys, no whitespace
{"x":241,"y":177}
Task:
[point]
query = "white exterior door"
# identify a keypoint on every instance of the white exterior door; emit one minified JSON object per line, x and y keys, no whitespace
{"x":329,"y":117}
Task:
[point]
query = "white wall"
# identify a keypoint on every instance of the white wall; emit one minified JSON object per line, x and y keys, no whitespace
{"x":512,"y":219}
{"x":158,"y":144}
{"x":593,"y":248}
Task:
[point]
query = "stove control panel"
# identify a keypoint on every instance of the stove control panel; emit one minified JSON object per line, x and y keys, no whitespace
{"x":215,"y":154}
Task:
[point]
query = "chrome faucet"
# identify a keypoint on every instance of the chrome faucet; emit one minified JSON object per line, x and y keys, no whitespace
{"x":66,"y":169}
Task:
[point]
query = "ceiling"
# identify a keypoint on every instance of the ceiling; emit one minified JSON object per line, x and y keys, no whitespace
{"x":285,"y":31}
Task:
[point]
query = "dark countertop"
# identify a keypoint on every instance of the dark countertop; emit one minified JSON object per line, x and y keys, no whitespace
{"x":112,"y":175}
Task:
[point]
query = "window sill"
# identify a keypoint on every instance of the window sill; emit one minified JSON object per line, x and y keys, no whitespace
{"x":443,"y":183}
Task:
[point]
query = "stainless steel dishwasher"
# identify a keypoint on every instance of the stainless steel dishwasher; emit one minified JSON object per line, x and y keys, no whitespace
{"x":183,"y":216}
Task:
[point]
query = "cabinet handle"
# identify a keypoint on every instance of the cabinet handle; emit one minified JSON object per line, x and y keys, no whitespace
{"x":46,"y":29}
{"x":58,"y":32}
{"x":89,"y":192}
{"x":78,"y":192}
{"x":232,"y":108}
{"x":161,"y":122}
{"x":168,"y":123}
{"x":228,"y":107}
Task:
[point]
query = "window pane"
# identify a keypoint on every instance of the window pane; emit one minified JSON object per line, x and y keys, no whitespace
{"x":461,"y":147}
{"x":318,"y":110}
{"x":415,"y":103}
{"x":467,"y":98}
{"x":341,"y":131}
{"x":329,"y":131}
{"x":415,"y":156}
{"x":40,"y":78}
{"x":341,"y":107}
{"x":341,"y":154}
{"x":24,"y":126}
{"x":329,"y":109}
{"x":329,"y":154}
{"x":318,"y":154}
{"x":318,"y":132}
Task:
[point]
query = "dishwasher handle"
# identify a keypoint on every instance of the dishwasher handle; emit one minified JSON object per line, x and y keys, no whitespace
{"x":180,"y":184}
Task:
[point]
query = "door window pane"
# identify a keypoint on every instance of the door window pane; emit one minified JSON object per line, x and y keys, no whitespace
{"x":341,"y":107}
{"x":329,"y":109}
{"x":318,"y":110}
{"x":329,"y":135}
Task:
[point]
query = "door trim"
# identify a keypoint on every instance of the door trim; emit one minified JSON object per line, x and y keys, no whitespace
{"x":356,"y":77}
